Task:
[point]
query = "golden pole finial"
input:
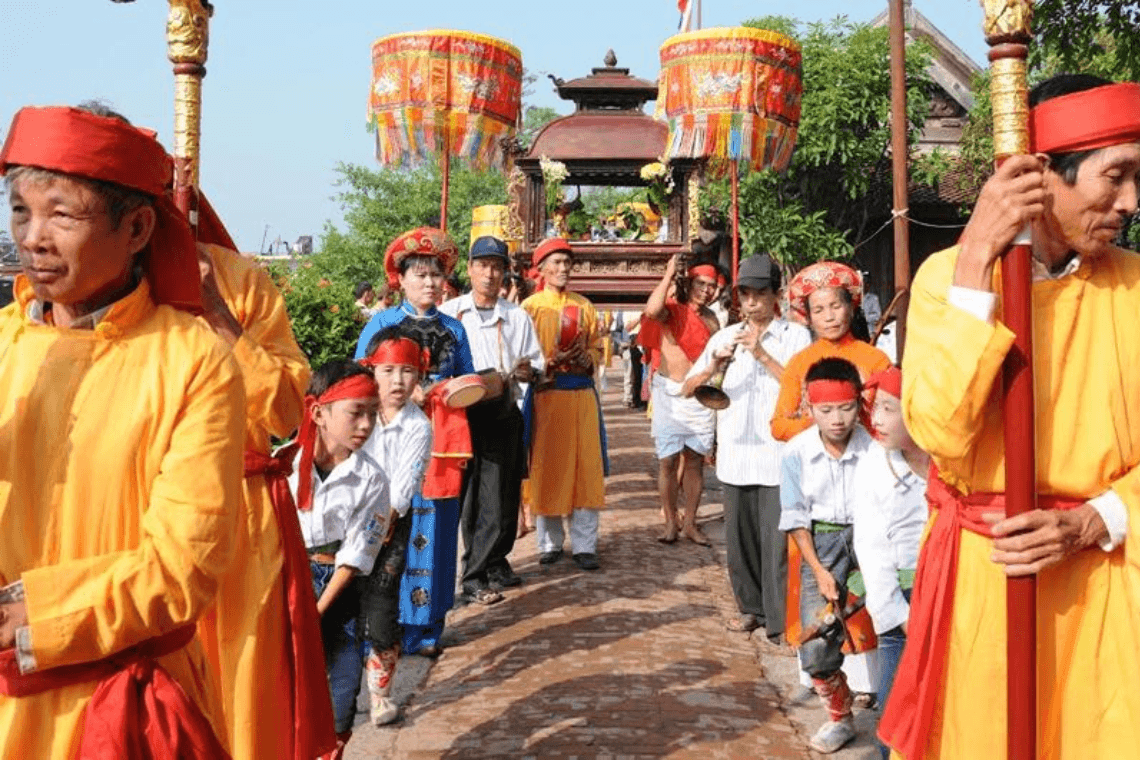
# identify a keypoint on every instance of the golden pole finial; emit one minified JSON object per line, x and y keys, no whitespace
{"x":187,"y":39}
{"x":1007,"y":29}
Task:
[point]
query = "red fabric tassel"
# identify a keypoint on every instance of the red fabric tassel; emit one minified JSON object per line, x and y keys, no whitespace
{"x":303,"y":671}
{"x":450,"y":447}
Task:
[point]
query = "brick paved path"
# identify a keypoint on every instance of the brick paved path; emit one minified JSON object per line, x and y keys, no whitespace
{"x":629,"y":662}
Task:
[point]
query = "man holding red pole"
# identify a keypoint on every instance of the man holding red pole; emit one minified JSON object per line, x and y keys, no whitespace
{"x":1076,"y":192}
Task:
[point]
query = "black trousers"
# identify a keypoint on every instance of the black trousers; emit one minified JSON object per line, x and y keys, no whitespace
{"x":757,"y":553}
{"x":492,"y":487}
{"x":380,"y":593}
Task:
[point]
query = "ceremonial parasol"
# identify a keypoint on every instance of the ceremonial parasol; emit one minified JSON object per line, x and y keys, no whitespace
{"x":1007,"y":28}
{"x":441,"y":94}
{"x":731,"y":95}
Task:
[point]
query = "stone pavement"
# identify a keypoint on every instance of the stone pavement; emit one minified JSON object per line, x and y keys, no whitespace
{"x":632,"y":661}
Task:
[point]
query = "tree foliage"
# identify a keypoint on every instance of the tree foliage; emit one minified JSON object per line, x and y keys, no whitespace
{"x":822,"y":205}
{"x":1072,"y":37}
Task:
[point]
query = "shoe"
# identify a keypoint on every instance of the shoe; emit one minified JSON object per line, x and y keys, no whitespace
{"x":549,"y":558}
{"x":865,"y":700}
{"x":833,"y":736}
{"x":586,"y":561}
{"x":503,"y":577}
{"x":384,"y":711}
{"x":432,"y":651}
{"x":481,"y":593}
{"x":743,"y":624}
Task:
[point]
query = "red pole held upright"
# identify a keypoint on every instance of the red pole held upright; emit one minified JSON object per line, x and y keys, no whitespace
{"x":1007,"y":31}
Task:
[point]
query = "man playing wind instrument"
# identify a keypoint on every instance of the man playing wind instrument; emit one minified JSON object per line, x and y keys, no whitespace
{"x":1075,"y":192}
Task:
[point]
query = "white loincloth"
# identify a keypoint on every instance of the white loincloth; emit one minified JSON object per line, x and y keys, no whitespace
{"x":680,"y":422}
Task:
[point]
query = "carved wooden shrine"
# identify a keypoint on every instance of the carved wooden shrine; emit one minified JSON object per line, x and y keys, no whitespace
{"x":606,"y":142}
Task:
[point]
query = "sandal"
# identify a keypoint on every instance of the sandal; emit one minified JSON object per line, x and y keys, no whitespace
{"x":743,"y":624}
{"x":483,"y":595}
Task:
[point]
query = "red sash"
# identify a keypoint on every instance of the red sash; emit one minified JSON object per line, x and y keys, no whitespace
{"x":303,"y":669}
{"x":137,"y":710}
{"x":686,"y":326}
{"x":906,"y":721}
{"x":450,"y":447}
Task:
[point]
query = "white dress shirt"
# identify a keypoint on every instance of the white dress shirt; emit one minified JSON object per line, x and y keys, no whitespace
{"x":890,"y":516}
{"x":747,"y":454}
{"x":402,"y":449}
{"x":501,"y":341}
{"x":982,"y":304}
{"x":350,"y":506}
{"x":815,"y":486}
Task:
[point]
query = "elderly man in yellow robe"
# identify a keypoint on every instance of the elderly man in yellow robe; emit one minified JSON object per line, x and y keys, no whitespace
{"x":568,"y":461}
{"x":1082,"y":543}
{"x":121,"y":422}
{"x":263,"y":636}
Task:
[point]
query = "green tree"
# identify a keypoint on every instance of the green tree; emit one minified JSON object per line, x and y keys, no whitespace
{"x":534,"y":119}
{"x":822,"y":205}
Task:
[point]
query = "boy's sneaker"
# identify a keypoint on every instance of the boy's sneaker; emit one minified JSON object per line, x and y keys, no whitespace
{"x":833,"y":736}
{"x":384,"y":711}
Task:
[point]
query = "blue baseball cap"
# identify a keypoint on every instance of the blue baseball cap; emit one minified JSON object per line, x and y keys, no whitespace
{"x":488,"y":246}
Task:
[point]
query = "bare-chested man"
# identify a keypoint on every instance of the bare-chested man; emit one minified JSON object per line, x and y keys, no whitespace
{"x":676,"y":330}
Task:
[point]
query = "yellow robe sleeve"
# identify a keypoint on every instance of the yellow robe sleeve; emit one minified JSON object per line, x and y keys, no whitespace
{"x":594,"y":339}
{"x":274,"y":369}
{"x":951,"y":361}
{"x":86,"y":609}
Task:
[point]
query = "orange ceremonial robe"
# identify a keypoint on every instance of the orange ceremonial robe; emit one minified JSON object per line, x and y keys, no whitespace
{"x":1086,"y":368}
{"x":120,"y":496}
{"x":787,"y":422}
{"x":566,"y":469}
{"x":245,"y":632}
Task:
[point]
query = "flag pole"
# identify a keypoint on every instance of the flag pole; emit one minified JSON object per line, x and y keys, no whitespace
{"x":1007,"y":28}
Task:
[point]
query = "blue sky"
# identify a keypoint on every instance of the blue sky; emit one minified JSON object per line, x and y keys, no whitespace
{"x":287,"y":84}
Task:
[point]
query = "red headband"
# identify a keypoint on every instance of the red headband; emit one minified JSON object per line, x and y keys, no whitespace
{"x":75,"y":142}
{"x":356,"y":386}
{"x":889,"y":380}
{"x":1086,"y":120}
{"x":705,"y":270}
{"x":403,"y":351}
{"x":831,"y":392}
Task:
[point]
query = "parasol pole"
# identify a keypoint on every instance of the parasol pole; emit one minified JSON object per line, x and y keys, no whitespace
{"x":899,"y":156}
{"x":1007,"y":28}
{"x":735,"y":219}
{"x":187,"y":39}
{"x":446,"y":176}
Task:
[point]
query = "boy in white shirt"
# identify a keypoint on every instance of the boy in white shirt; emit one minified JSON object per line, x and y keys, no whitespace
{"x":342,"y":506}
{"x":401,"y":444}
{"x":817,"y":488}
{"x":890,"y":516}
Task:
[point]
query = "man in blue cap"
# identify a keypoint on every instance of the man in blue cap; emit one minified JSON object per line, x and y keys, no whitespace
{"x":506,"y":352}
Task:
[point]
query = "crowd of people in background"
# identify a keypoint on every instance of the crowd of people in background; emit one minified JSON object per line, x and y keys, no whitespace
{"x":162,"y":565}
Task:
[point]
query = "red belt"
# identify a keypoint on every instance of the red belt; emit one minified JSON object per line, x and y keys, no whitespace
{"x":310,"y":718}
{"x":906,"y":721}
{"x":137,"y":709}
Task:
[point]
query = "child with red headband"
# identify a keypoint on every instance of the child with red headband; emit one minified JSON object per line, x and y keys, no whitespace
{"x":890,"y":516}
{"x":401,"y":445}
{"x":343,"y":508}
{"x":816,"y":510}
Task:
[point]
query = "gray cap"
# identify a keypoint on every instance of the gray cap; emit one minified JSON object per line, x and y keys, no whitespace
{"x":758,"y":272}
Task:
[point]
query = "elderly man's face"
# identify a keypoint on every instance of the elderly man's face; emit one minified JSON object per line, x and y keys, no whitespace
{"x":556,"y":268}
{"x":68,"y":249}
{"x":1089,"y":214}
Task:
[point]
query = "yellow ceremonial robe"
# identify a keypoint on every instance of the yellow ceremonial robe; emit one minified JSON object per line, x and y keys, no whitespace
{"x":120,"y":494}
{"x":244,"y":634}
{"x":566,"y":469}
{"x":1087,"y":385}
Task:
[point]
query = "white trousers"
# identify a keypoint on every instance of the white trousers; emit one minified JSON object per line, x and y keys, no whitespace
{"x":583,"y":532}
